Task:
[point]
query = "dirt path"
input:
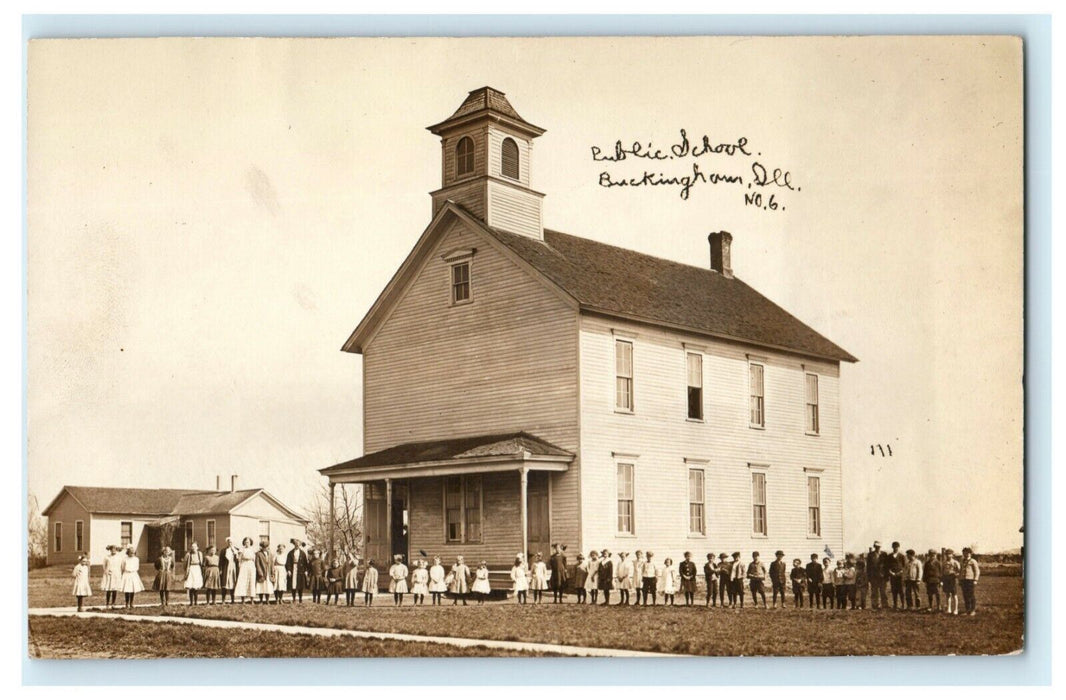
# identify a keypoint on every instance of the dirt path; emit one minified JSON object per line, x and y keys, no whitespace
{"x":330,"y":632}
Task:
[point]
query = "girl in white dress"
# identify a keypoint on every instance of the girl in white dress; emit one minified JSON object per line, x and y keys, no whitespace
{"x":592,"y":582}
{"x":457,"y":580}
{"x":538,"y":575}
{"x":131,"y":576}
{"x":437,"y":586}
{"x":370,"y":583}
{"x":194,"y":572}
{"x":397,"y":579}
{"x":420,"y":582}
{"x":245,"y":584}
{"x":670,"y":581}
{"x":481,"y":583}
{"x":281,"y":576}
{"x":521,"y":580}
{"x":80,"y":578}
{"x":106,"y":584}
{"x":114,"y":575}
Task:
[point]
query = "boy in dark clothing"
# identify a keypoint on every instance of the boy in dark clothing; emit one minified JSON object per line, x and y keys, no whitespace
{"x":710,"y":578}
{"x":931,"y":574}
{"x":778,"y":577}
{"x":897,"y":563}
{"x":799,"y":578}
{"x":725,"y":586}
{"x":814,"y":582}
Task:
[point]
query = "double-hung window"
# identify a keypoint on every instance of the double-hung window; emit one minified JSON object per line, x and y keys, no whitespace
{"x":461,"y":282}
{"x":814,"y":506}
{"x":623,"y":371}
{"x":462,"y":509}
{"x":694,"y":362}
{"x":625,"y":498}
{"x":812,"y":403}
{"x":758,"y":503}
{"x":58,"y":532}
{"x":697,"y":522}
{"x":755,"y":385}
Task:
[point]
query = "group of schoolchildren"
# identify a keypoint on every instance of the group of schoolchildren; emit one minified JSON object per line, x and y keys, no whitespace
{"x":256,"y":575}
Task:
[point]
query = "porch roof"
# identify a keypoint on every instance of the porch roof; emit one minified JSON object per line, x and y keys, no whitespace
{"x":467,"y":455}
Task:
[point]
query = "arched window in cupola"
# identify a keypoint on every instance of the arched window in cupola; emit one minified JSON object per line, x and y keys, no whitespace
{"x":464,"y":157}
{"x":509,"y":159}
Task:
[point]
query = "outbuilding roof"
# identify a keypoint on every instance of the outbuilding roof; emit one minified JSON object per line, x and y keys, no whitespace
{"x":161,"y":502}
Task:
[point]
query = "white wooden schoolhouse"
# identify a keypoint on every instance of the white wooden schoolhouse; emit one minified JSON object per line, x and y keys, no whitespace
{"x":523,"y":386}
{"x":86,"y":519}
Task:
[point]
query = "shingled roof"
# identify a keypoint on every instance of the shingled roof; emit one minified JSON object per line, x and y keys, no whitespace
{"x":485,"y":101}
{"x":160,"y":502}
{"x":501,"y":445}
{"x":616,"y":281}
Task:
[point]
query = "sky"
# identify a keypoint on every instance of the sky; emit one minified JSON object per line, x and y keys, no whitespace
{"x":209,"y":219}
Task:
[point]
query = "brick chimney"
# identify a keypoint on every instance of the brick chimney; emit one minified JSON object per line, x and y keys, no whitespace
{"x":218,"y":482}
{"x":232,"y":483}
{"x":720,"y":242}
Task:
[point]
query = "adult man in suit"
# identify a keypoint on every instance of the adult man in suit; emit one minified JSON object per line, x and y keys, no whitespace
{"x":897,"y":564}
{"x":296,"y":567}
{"x":876,"y":573}
{"x":606,"y":576}
{"x":559,"y":574}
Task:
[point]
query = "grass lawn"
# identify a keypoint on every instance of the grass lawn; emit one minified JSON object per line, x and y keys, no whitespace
{"x":50,"y":587}
{"x":80,"y":638}
{"x":997,"y":629}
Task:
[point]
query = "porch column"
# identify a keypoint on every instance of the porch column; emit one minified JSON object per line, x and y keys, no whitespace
{"x":388,"y":523}
{"x":523,"y":499}
{"x":332,"y":516}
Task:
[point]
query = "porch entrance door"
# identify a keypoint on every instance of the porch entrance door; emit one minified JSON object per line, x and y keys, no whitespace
{"x":400,"y":521}
{"x":538,"y":515}
{"x":377,"y":541}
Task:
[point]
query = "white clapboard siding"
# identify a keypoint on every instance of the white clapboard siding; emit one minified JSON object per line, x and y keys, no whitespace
{"x":505,"y":362}
{"x":659,"y":432}
{"x":514,"y":210}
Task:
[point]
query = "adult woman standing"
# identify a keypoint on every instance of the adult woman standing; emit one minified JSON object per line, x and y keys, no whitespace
{"x":264,"y":572}
{"x":164,"y":575}
{"x":280,"y":577}
{"x":194,"y":572}
{"x":131,"y":576}
{"x":245,"y":583}
{"x":212,"y":575}
{"x":229,"y":563}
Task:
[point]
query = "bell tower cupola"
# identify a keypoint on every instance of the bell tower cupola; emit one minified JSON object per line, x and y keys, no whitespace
{"x":486,"y":149}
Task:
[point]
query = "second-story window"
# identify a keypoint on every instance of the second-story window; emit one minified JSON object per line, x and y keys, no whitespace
{"x":509,"y":159}
{"x":695,"y":385}
{"x":758,"y":413}
{"x":623,"y":363}
{"x":464,"y":157}
{"x":460,"y":282}
{"x":812,"y":403}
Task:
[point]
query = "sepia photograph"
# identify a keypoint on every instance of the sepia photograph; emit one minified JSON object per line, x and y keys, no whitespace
{"x":565,"y":346}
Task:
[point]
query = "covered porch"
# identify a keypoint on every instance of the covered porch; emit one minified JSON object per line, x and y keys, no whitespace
{"x":485,"y":498}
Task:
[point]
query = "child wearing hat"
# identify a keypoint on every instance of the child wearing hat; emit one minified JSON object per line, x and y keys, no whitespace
{"x":862,"y":583}
{"x":650,"y":578}
{"x":840,"y":589}
{"x":437,"y":586}
{"x":756,"y":576}
{"x":538,"y":574}
{"x":799,"y":581}
{"x":686,"y":570}
{"x":725,"y":579}
{"x":737,"y":576}
{"x":778,"y":577}
{"x":912,"y":581}
{"x":847,"y":580}
{"x":814,"y":582}
{"x":931,"y":575}
{"x":521,"y":580}
{"x":420,"y":582}
{"x":710,"y":580}
{"x":948,"y":578}
{"x":828,"y":589}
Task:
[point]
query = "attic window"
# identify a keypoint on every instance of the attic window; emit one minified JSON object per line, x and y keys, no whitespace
{"x":461,"y":282}
{"x":464,"y":157}
{"x":509,"y":159}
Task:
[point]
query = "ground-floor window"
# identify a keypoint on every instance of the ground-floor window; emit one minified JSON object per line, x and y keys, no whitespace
{"x":126,"y":533}
{"x":58,"y":531}
{"x":625,"y":499}
{"x":758,"y":503}
{"x":264,"y":531}
{"x":814,"y":506}
{"x":697,"y":523}
{"x":79,"y":535}
{"x":210,"y":533}
{"x":462,"y":508}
